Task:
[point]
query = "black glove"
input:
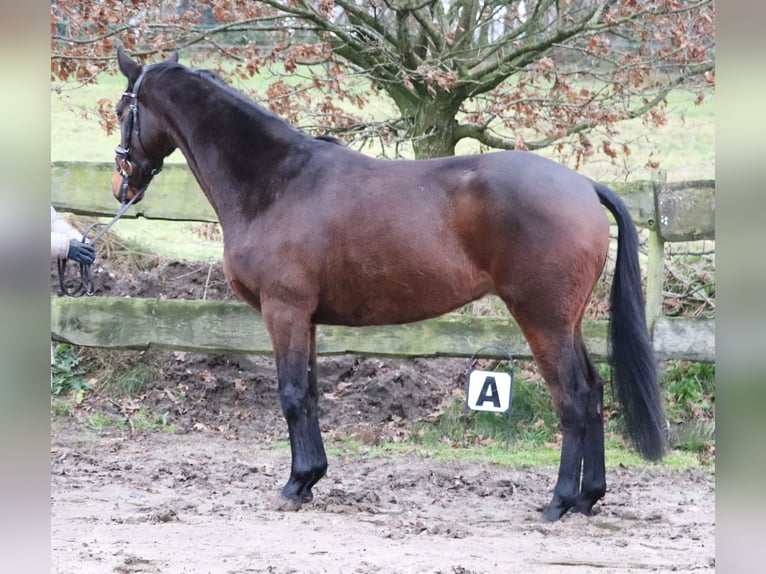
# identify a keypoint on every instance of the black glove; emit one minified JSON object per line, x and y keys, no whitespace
{"x":81,"y":252}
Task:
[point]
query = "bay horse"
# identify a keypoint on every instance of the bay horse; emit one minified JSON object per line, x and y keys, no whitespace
{"x":317,"y":233}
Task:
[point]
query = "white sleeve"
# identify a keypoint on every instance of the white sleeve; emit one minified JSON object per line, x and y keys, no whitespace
{"x":61,"y":233}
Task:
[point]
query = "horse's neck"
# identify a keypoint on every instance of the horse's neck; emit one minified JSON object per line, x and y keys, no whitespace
{"x":234,"y":154}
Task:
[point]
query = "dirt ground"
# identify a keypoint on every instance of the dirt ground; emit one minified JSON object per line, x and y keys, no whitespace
{"x":154,"y":502}
{"x":200,"y":499}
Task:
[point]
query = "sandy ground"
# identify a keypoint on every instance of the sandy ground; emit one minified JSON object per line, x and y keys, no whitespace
{"x":199,"y":502}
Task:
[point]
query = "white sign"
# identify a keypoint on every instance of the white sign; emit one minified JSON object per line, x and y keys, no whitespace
{"x":489,"y":391}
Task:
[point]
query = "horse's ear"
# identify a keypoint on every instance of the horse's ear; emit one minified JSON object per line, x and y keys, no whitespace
{"x":128,"y":66}
{"x":173,"y":56}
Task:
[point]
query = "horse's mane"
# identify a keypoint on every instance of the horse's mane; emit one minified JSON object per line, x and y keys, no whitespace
{"x":210,"y":75}
{"x":331,"y":139}
{"x":215,"y":78}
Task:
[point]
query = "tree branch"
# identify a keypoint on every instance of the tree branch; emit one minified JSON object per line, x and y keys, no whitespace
{"x":436,"y":36}
{"x":483,"y":134}
{"x":484,"y":73}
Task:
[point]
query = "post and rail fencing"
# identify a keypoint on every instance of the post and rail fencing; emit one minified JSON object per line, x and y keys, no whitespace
{"x":669,"y":211}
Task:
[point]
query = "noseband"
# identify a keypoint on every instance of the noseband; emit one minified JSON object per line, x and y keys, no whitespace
{"x":125,"y":164}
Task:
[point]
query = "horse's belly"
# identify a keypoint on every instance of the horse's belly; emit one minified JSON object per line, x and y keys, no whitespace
{"x":395,"y":300}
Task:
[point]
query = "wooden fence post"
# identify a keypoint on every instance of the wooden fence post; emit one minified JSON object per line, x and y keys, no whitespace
{"x":655,"y":264}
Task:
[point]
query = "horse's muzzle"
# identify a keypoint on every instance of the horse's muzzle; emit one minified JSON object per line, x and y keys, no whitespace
{"x":117,"y":189}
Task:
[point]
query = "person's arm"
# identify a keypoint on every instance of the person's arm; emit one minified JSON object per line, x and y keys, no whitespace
{"x":66,"y":241}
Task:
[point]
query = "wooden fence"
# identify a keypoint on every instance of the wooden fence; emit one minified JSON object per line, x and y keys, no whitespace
{"x":671,"y":212}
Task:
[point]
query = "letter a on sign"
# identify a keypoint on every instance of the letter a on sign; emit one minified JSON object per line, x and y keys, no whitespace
{"x":489,"y":391}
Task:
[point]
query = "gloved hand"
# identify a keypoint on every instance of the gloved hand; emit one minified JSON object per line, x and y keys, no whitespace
{"x":81,"y":252}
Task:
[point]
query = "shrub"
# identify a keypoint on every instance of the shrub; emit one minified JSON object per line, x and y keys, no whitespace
{"x":66,"y":374}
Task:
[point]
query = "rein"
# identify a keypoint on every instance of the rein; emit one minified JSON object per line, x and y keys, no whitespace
{"x":85,"y":287}
{"x":125,"y":167}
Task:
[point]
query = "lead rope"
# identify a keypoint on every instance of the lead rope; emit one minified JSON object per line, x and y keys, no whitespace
{"x":85,"y":287}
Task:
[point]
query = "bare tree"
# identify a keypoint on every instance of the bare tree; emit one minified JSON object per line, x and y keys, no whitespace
{"x":525,"y":74}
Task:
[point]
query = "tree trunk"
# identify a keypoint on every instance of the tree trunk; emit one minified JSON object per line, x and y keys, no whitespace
{"x":432,"y":128}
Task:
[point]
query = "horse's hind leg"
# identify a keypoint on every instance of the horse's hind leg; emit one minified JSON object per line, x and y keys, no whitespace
{"x":593,"y":485}
{"x":555,"y":352}
{"x":293,"y":339}
{"x":313,"y":394}
{"x":557,"y":362}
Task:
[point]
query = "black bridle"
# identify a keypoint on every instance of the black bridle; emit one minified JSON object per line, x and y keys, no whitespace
{"x":125,"y":167}
{"x":123,"y":160}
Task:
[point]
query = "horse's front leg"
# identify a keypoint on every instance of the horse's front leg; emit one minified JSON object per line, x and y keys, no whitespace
{"x":292,"y":337}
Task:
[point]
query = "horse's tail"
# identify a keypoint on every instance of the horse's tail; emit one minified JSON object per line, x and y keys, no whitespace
{"x":634,"y":367}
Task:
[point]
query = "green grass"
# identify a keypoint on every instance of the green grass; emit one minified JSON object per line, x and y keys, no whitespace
{"x":168,"y":239}
{"x":145,"y":420}
{"x":140,"y":420}
{"x":533,"y":431}
{"x":520,"y":455}
{"x":690,"y":389}
{"x":128,"y":382}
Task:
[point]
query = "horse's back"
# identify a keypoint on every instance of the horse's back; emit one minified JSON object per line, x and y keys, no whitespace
{"x":510,"y":186}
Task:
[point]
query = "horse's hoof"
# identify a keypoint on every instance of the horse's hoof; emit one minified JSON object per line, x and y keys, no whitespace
{"x":283,"y":504}
{"x":584,"y":509}
{"x":553,"y":513}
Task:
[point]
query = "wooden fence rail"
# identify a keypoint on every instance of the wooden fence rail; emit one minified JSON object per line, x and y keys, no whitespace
{"x":671,"y":212}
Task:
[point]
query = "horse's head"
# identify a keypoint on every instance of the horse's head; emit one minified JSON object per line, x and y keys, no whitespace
{"x":143,"y":143}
